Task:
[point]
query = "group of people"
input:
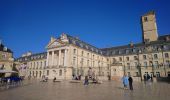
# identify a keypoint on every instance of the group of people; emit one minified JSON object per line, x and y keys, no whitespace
{"x":76,"y":77}
{"x":147,"y":77}
{"x":44,"y":78}
{"x":127,"y":81}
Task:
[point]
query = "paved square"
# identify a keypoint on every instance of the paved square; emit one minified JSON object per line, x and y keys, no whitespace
{"x":77,"y":91}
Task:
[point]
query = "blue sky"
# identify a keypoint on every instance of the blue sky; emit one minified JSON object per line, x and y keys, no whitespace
{"x":27,"y":25}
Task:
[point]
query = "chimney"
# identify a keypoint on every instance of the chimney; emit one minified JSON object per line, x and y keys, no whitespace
{"x":131,"y":44}
{"x":52,"y":39}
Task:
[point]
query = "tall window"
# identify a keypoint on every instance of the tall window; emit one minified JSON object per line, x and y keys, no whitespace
{"x":34,"y":64}
{"x":145,"y":19}
{"x":114,"y":60}
{"x":166,"y":55}
{"x":47,"y":72}
{"x":3,"y":56}
{"x":37,"y":65}
{"x":128,"y":65}
{"x":74,"y":60}
{"x":74,"y":51}
{"x":136,"y":64}
{"x":127,"y":58}
{"x":98,"y":63}
{"x":88,"y":55}
{"x":168,"y":63}
{"x":41,"y":64}
{"x":156,"y":64}
{"x":144,"y":57}
{"x":82,"y":52}
{"x":145,"y":64}
{"x":60,"y":72}
{"x":44,"y":63}
{"x":120,"y":58}
{"x":155,"y":56}
{"x":135,"y":58}
{"x":31,"y":65}
{"x":137,"y":74}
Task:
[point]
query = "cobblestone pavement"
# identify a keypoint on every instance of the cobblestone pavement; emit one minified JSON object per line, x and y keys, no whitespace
{"x":77,"y":91}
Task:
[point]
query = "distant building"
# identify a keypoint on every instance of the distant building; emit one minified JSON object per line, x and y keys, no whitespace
{"x":149,"y":27}
{"x":68,"y":56}
{"x":6,"y":60}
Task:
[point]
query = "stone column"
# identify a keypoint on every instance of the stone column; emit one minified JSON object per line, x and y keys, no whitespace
{"x":47,"y":59}
{"x":65,"y":57}
{"x":59,"y":60}
{"x":52,"y":58}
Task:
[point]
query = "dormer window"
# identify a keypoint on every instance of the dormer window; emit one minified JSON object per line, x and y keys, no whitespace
{"x":100,"y":52}
{"x":134,"y":50}
{"x":92,"y":49}
{"x":81,"y":45}
{"x":127,"y":51}
{"x":5,"y":48}
{"x":120,"y":52}
{"x":87,"y":47}
{"x":145,"y":19}
{"x":96,"y":50}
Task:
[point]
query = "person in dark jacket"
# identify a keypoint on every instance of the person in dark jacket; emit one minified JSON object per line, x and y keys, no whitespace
{"x":86,"y":80}
{"x":130,"y":83}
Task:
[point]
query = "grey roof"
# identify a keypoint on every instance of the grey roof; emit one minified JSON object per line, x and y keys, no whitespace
{"x":36,"y":56}
{"x":164,"y":37}
{"x":138,"y":48}
{"x":4,"y":49}
{"x":84,"y":45}
{"x":124,"y":49}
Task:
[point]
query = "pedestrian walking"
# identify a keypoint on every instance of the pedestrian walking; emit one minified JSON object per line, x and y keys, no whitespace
{"x":125,"y":81}
{"x":130,"y":83}
{"x":86,"y":80}
{"x":145,"y":78}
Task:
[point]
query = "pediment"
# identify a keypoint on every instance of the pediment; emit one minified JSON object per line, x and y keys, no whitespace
{"x":56,"y":43}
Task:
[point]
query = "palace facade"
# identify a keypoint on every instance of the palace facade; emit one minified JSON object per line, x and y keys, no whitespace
{"x":68,"y":56}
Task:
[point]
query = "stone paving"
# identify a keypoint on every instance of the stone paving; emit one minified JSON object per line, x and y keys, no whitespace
{"x":35,"y":90}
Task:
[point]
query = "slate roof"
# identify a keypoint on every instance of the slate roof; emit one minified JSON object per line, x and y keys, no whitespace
{"x":32,"y":57}
{"x":84,"y":45}
{"x":4,"y":49}
{"x":155,"y":46}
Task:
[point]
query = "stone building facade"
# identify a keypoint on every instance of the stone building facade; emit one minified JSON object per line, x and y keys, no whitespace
{"x":68,"y":56}
{"x":6,"y":60}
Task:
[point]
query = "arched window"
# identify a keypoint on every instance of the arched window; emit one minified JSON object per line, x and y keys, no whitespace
{"x":166,"y":55}
{"x":60,"y":72}
{"x":40,"y":74}
{"x":36,"y":73}
{"x":155,"y":56}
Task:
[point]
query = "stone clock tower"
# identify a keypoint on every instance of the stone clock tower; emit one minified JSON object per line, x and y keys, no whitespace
{"x":149,"y":27}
